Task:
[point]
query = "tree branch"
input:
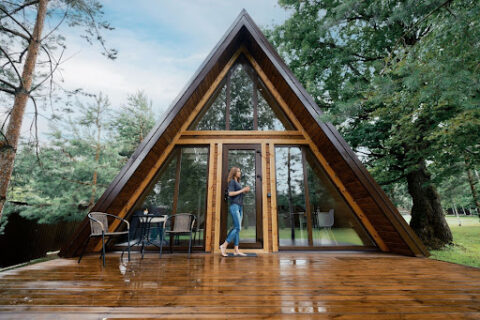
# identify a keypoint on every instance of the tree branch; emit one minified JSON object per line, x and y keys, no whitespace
{"x":5,"y":120}
{"x":376,"y":155}
{"x":81,"y":182}
{"x":72,"y":158}
{"x":99,"y":37}
{"x":23,"y":6}
{"x":402,"y":37}
{"x":472,"y":152}
{"x":12,"y":92}
{"x":8,"y":84}
{"x":4,"y":143}
{"x":57,"y":26}
{"x":52,"y":70}
{"x":19,"y":24}
{"x":13,"y":65}
{"x":366,"y":59}
{"x":383,"y":183}
{"x":14,"y":32}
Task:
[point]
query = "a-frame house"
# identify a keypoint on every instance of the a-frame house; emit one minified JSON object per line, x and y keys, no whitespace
{"x":245,"y":108}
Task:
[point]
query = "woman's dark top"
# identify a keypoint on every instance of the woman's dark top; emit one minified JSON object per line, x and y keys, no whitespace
{"x":233,"y":185}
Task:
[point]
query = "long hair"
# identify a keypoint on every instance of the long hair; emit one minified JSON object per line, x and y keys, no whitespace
{"x":232,"y":173}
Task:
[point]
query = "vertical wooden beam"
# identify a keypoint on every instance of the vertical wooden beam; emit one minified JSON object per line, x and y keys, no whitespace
{"x":265,"y":212}
{"x":273,"y":199}
{"x":218,"y":206}
{"x":211,"y":180}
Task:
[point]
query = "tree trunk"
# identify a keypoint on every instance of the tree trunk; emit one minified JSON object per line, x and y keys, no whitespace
{"x":428,"y":220}
{"x":472,"y":188}
{"x":7,"y":155}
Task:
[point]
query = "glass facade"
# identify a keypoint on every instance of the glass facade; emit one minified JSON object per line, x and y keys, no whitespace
{"x":180,"y":186}
{"x":242,"y":102}
{"x":311,"y":211}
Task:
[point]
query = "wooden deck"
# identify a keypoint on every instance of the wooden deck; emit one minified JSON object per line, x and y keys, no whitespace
{"x":284,"y":285}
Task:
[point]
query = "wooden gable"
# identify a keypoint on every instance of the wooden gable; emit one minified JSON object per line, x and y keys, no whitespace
{"x":364,"y":195}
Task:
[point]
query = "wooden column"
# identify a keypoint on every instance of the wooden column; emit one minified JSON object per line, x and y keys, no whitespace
{"x":218,"y":200}
{"x":265,"y":212}
{"x":273,"y":190}
{"x":210,"y":195}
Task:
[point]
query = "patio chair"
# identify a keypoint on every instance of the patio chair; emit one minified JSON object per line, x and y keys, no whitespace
{"x":99,"y":228}
{"x":326,"y":220}
{"x":182,"y":225}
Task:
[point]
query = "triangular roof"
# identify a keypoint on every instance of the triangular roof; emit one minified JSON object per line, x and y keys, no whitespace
{"x":389,"y":225}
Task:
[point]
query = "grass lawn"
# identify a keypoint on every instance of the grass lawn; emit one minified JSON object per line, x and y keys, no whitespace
{"x":466,"y":239}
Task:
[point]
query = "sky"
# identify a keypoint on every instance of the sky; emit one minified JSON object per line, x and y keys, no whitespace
{"x":161,"y":44}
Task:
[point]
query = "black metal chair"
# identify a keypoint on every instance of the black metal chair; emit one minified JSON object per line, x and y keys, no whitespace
{"x":99,"y":228}
{"x":180,"y":224}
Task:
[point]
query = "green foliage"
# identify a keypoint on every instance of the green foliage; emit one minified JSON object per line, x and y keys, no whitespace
{"x":132,"y":123}
{"x":400,"y":79}
{"x":79,"y":160}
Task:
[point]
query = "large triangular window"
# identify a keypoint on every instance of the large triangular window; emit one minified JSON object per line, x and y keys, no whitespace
{"x":242,"y":102}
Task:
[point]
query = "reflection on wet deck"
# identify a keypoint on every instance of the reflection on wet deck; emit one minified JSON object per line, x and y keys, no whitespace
{"x":344,"y":285}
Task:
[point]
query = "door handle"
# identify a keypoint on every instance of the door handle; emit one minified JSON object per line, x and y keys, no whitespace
{"x":259,"y":177}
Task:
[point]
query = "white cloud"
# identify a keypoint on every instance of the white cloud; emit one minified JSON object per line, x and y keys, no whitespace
{"x":161,"y":44}
{"x":154,"y":60}
{"x":140,"y":66}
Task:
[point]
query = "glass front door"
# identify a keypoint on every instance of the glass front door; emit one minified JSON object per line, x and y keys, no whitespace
{"x":248,"y":159}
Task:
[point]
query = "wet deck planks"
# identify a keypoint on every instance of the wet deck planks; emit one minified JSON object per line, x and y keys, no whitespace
{"x":288,"y":285}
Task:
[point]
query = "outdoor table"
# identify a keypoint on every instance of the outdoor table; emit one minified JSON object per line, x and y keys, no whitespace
{"x":145,"y":222}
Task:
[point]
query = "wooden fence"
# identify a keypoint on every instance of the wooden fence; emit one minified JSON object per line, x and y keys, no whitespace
{"x":24,"y":240}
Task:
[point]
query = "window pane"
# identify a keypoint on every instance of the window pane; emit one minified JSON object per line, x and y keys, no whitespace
{"x":333,"y":221}
{"x":241,"y":103}
{"x":159,"y":198}
{"x":292,"y":223}
{"x":192,"y":193}
{"x":245,"y":160}
{"x":270,"y":115}
{"x":214,"y":117}
{"x":267,"y":120}
{"x":191,"y":196}
{"x":241,"y":107}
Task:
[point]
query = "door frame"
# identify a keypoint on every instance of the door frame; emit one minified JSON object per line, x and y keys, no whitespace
{"x":259,"y":244}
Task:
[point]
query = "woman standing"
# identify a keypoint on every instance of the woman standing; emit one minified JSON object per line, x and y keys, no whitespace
{"x":235,"y":194}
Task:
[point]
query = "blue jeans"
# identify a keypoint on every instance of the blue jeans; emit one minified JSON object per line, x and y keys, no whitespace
{"x":236,"y":212}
